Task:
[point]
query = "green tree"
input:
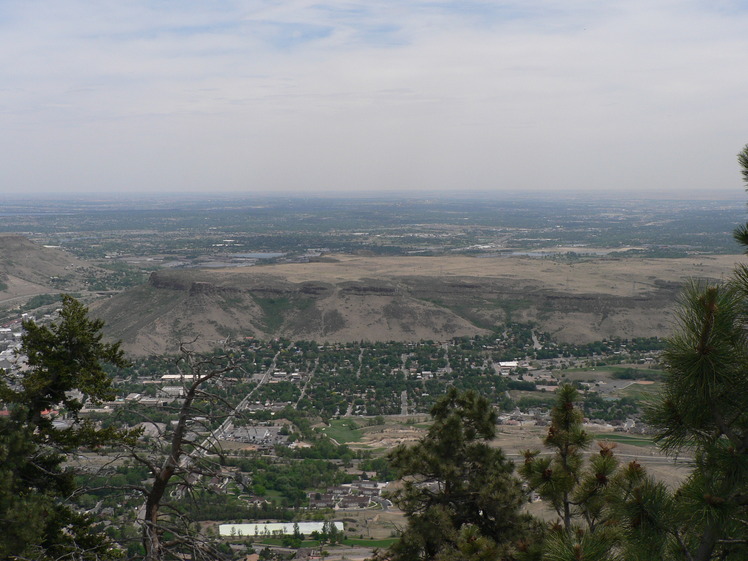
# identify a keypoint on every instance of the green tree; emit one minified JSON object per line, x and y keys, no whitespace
{"x":459,"y":493}
{"x":703,"y":411}
{"x":576,"y":490}
{"x":64,"y":356}
{"x":741,"y":233}
{"x":606,"y":510}
{"x":557,"y":478}
{"x":39,"y":521}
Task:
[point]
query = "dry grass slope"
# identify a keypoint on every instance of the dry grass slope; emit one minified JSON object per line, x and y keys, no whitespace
{"x":28,"y":269}
{"x":395,"y":298}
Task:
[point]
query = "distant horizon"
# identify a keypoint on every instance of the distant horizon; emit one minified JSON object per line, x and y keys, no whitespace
{"x":727,"y":195}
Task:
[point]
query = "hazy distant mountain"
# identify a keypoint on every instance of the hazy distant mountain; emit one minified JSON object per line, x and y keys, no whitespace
{"x":378,"y":299}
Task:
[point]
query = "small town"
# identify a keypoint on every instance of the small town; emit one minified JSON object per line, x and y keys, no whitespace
{"x":301,"y":427}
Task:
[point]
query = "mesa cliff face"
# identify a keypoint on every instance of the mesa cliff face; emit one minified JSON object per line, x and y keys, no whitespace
{"x":179,"y":306}
{"x":347,"y":302}
{"x":353,"y":298}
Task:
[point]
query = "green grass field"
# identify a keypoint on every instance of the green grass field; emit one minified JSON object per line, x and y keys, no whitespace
{"x":637,"y":440}
{"x":638,"y":371}
{"x":266,"y":540}
{"x":640,"y":392}
{"x":370,"y":543}
{"x":607,"y":372}
{"x":344,"y":431}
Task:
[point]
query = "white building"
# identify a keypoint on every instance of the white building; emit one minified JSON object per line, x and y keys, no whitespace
{"x":178,"y":377}
{"x":270,"y":528}
{"x":507,"y":366}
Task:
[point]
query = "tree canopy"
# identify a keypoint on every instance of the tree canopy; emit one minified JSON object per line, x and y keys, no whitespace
{"x":62,"y":357}
{"x":459,"y":495}
{"x":703,"y":411}
{"x":38,"y":520}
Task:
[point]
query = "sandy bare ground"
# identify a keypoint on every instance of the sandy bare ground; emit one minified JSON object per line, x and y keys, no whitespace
{"x":513,"y":440}
{"x":672,"y":471}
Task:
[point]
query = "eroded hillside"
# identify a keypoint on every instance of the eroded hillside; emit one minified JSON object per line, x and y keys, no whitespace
{"x":394,"y":298}
{"x":28,"y":269}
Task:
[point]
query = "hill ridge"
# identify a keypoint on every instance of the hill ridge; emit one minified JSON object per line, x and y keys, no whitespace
{"x":389,"y":298}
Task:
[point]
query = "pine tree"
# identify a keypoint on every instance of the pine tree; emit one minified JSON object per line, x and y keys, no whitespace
{"x":556,"y":478}
{"x":575,"y":489}
{"x":703,"y":410}
{"x":459,"y":494}
{"x":38,"y":519}
{"x":605,"y":510}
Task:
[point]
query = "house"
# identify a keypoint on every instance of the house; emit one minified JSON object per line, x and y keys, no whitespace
{"x":505,"y":367}
{"x":318,"y":500}
{"x":171,"y":391}
{"x":354,"y":501}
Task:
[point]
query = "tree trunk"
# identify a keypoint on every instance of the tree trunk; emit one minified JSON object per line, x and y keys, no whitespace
{"x":708,"y":541}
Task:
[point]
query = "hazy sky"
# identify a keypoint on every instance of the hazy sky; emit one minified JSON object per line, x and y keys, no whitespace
{"x":359,"y":95}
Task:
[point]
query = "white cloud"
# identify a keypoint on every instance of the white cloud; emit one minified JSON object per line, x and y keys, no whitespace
{"x":303,"y":95}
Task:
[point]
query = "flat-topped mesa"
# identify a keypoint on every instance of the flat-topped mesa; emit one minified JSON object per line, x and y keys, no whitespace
{"x":199,"y":287}
{"x":199,"y":282}
{"x":315,"y":289}
{"x":363,"y":289}
{"x":386,"y":299}
{"x":164,"y":280}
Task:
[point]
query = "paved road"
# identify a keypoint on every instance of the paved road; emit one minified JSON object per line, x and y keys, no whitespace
{"x":404,"y":403}
{"x":228,"y":423}
{"x":349,"y":411}
{"x":662,"y":460}
{"x":309,"y":379}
